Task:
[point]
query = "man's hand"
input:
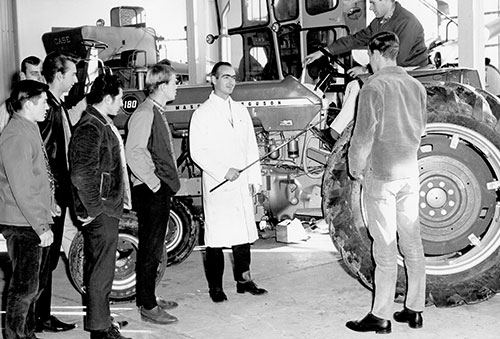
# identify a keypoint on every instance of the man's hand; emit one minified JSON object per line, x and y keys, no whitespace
{"x":356,"y":71}
{"x":232,"y":174}
{"x":85,"y":221}
{"x":46,"y":238}
{"x":313,"y":57}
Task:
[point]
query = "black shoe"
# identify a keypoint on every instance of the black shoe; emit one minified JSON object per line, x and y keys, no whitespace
{"x":53,"y":325}
{"x":249,"y":287}
{"x":325,"y":135}
{"x":111,"y":333}
{"x":414,"y":319}
{"x":370,"y":323}
{"x":217,"y":295}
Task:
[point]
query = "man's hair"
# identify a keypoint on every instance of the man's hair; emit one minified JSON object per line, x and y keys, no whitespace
{"x":104,"y":84}
{"x":55,"y":62}
{"x":25,"y":90}
{"x":387,"y":43}
{"x":31,"y":60}
{"x":218,"y":65}
{"x":158,"y":74}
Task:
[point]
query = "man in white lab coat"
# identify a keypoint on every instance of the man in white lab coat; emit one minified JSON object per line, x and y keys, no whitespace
{"x":222,"y":142}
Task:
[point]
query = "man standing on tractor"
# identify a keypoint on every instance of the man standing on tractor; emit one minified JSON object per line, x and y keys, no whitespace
{"x":383,"y":157}
{"x":389,"y":16}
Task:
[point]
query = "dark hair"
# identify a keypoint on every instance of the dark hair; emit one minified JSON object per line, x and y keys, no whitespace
{"x":31,"y":60}
{"x":387,"y":43}
{"x":55,"y":62}
{"x":104,"y":84}
{"x":25,"y":90}
{"x":218,"y":65}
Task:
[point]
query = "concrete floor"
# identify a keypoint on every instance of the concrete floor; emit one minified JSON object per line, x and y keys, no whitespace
{"x":310,"y":297}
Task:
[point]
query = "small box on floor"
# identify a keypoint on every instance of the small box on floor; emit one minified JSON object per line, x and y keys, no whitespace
{"x":289,"y":231}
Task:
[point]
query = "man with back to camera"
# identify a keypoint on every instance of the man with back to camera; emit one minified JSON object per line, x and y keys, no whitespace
{"x":60,"y":73}
{"x":30,"y":70}
{"x":27,"y":206}
{"x":222,"y":142}
{"x":383,"y":157}
{"x":151,"y":158}
{"x":100,"y":188}
{"x":389,"y":16}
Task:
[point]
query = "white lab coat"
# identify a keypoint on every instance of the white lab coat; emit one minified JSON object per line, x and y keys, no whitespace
{"x":217,"y":145}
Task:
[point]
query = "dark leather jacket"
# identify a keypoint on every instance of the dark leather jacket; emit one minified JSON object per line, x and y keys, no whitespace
{"x":52,"y":132}
{"x":96,"y":172}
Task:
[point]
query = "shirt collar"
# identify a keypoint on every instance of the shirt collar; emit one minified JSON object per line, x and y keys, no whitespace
{"x":158,"y":105}
{"x":388,"y":16}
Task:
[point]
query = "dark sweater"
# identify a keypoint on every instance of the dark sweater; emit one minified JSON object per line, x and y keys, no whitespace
{"x":412,"y":49}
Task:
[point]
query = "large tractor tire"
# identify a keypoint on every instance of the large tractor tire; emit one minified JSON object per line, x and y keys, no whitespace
{"x":180,"y":240}
{"x":459,"y":162}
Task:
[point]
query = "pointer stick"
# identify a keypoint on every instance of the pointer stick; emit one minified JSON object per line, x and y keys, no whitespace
{"x":270,"y":152}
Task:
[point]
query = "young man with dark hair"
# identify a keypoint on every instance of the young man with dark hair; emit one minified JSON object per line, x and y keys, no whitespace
{"x":383,"y":157}
{"x":27,"y":206}
{"x":60,"y":72}
{"x":222,"y":142}
{"x":152,"y":160}
{"x":100,"y":189}
{"x":30,"y":70}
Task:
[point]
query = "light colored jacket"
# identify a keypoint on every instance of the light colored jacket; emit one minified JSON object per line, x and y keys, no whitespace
{"x":390,"y":122}
{"x":221,"y":138}
{"x":25,"y":195}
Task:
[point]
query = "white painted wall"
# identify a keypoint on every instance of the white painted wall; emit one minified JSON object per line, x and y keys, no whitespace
{"x":35,"y":17}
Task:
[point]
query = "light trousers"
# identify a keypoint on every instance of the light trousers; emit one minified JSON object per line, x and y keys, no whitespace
{"x":392,"y":210}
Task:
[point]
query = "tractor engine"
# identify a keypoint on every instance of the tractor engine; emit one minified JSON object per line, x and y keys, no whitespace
{"x":292,"y":167}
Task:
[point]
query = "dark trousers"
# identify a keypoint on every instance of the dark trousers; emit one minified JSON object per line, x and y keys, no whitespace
{"x":44,"y":301}
{"x":29,"y":276}
{"x":153,"y":211}
{"x":100,"y":241}
{"x":214,"y":264}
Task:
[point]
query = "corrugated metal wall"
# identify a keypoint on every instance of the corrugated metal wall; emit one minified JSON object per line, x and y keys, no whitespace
{"x":8,"y":47}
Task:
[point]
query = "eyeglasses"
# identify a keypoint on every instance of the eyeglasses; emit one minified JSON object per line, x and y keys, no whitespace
{"x":227,"y":77}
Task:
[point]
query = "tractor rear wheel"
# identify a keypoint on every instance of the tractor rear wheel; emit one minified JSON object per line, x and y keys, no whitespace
{"x":180,"y":240}
{"x":459,"y":162}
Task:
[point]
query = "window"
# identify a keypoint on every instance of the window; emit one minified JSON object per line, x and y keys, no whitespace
{"x":285,"y":10}
{"x":314,"y":7}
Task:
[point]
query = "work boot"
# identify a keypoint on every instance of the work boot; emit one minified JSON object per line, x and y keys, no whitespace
{"x":157,"y":315}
